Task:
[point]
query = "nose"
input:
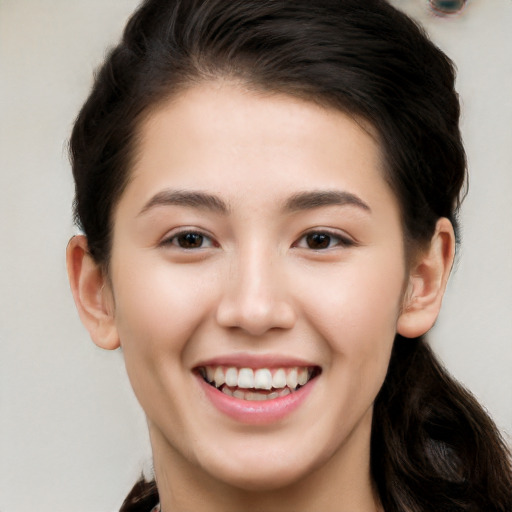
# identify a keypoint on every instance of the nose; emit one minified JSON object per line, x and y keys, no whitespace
{"x":256,"y":296}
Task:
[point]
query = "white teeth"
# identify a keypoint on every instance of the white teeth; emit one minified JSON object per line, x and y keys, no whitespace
{"x":218,"y":377}
{"x":279,"y":379}
{"x":232,"y":377}
{"x":262,"y":379}
{"x":254,"y":396}
{"x":245,"y":378}
{"x":291,"y":378}
{"x":210,"y":372}
{"x":302,"y":376}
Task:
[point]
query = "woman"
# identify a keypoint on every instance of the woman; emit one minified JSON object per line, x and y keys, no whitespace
{"x":268,"y":192}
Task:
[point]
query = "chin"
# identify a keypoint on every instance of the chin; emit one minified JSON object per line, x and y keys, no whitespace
{"x":265,"y":473}
{"x":264,"y":480}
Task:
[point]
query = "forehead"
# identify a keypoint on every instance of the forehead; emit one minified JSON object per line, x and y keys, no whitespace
{"x":249,"y":146}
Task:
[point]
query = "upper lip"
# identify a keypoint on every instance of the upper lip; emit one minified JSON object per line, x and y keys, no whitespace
{"x":244,"y":360}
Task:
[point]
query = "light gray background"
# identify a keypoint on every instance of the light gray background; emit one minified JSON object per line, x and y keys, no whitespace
{"x":72,"y":437}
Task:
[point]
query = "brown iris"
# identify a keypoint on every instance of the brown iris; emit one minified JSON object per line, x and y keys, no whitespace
{"x":190,"y":240}
{"x":318,"y":240}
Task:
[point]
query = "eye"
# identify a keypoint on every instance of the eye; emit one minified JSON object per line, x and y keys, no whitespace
{"x":321,"y":240}
{"x":190,"y":240}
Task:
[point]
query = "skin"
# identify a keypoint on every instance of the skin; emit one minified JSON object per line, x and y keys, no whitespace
{"x":257,"y":286}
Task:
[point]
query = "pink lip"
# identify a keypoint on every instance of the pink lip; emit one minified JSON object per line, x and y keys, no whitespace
{"x":256,"y":412}
{"x":256,"y":361}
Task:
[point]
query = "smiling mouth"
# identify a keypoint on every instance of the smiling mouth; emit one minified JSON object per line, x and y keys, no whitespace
{"x":257,"y":384}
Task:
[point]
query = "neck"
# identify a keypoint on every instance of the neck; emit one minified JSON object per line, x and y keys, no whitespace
{"x":342,"y":484}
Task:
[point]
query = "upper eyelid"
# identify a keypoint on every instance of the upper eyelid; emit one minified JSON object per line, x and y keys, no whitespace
{"x":186,"y":229}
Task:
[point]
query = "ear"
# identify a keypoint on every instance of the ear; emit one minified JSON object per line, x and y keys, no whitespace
{"x":92,"y":294}
{"x":427,"y":283}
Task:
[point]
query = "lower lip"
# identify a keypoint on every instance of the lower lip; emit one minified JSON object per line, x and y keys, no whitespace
{"x":253,"y":412}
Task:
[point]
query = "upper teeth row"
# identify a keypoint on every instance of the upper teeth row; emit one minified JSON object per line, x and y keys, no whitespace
{"x":263,"y":378}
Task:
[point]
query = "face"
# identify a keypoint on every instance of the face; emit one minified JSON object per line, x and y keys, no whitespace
{"x":257,"y":277}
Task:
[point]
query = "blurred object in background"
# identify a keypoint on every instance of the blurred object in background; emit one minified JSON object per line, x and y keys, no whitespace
{"x":444,"y":7}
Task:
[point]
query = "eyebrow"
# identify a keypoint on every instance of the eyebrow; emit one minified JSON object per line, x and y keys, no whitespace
{"x":193,"y":199}
{"x":317,"y":199}
{"x":301,"y":201}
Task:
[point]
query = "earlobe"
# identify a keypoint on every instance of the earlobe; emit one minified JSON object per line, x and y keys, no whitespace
{"x":427,"y":283}
{"x":92,"y":294}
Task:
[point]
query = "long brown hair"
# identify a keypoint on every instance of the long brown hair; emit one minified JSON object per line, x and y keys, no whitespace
{"x":433,"y":446}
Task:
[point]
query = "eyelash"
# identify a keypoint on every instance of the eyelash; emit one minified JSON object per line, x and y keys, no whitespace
{"x":189,"y":233}
{"x":328,"y":236}
{"x":342,"y":241}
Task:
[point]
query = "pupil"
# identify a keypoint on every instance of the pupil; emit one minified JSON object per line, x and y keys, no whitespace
{"x":190,"y":240}
{"x":318,"y":241}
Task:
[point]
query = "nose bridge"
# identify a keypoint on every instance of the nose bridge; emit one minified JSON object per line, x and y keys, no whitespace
{"x":255,"y":272}
{"x":256,"y":297}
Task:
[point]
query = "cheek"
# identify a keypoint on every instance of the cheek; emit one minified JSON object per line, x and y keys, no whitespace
{"x":158,"y":306}
{"x":357,"y":314}
{"x":158,"y":310}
